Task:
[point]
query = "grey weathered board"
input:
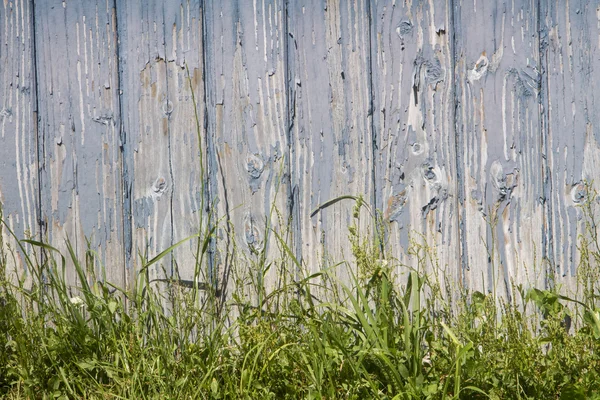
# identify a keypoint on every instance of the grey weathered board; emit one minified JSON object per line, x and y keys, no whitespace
{"x":246,"y":110}
{"x":470,"y":124}
{"x":570,"y":56}
{"x":331,"y":137}
{"x":78,"y":132}
{"x":499,"y":143}
{"x":159,"y":43}
{"x":18,"y":142}
{"x":415,"y":163}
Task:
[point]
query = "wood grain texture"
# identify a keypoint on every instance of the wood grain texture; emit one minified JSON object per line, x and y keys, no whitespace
{"x":499,"y":142}
{"x":79,"y":120}
{"x":470,"y":124}
{"x":187,"y":136}
{"x":146,"y":110}
{"x":159,"y":43}
{"x":246,"y":100}
{"x":570,"y":51}
{"x":18,"y":140}
{"x":331,"y":138}
{"x":415,"y":159}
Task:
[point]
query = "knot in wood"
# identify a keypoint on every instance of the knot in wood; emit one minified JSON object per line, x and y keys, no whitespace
{"x":159,"y":186}
{"x":254,"y":166}
{"x":6,"y":112}
{"x":404,"y":29}
{"x":167,"y":108}
{"x":578,"y":193}
{"x":429,"y":173}
{"x":417,"y":149}
{"x":251,"y":232}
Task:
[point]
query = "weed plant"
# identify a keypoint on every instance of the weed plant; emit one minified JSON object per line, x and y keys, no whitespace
{"x":374,"y":337}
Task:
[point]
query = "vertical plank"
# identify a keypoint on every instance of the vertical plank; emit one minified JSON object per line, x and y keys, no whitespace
{"x":331,"y":138}
{"x":415,"y":162}
{"x":18,"y":142}
{"x":146,"y":111}
{"x":79,"y":119}
{"x":570,"y":50}
{"x":162,"y":171}
{"x":246,"y":101}
{"x":187,"y":135}
{"x":499,"y":142}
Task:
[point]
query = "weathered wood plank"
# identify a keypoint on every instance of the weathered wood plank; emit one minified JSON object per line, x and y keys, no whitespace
{"x":184,"y":52}
{"x":515,"y":153}
{"x":79,"y":119}
{"x":331,"y":138}
{"x":143,"y":34}
{"x":159,"y":44}
{"x":18,"y":153}
{"x":570,"y":52}
{"x":247,"y":122}
{"x":499,"y":143}
{"x":415,"y":158}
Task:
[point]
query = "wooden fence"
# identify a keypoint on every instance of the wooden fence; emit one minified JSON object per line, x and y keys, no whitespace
{"x":472,"y":123}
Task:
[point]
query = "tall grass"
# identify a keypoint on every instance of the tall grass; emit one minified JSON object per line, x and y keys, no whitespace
{"x":373,"y":338}
{"x":311,"y":335}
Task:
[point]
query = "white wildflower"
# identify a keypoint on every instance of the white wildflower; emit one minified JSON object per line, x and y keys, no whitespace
{"x":427,"y":359}
{"x":383,"y":263}
{"x":77,"y":301}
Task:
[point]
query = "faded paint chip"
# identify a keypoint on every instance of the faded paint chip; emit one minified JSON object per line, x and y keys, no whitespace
{"x":395,"y":206}
{"x":479,"y":69}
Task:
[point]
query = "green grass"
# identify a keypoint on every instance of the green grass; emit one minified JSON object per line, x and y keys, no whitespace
{"x":312,"y":337}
